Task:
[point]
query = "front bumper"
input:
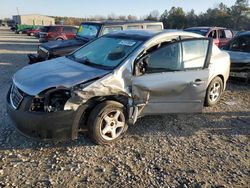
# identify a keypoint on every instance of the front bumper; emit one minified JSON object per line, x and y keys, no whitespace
{"x":56,"y":125}
{"x":34,"y":58}
{"x":245,"y":75}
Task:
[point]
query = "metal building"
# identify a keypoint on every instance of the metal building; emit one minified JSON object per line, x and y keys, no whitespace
{"x":33,"y":19}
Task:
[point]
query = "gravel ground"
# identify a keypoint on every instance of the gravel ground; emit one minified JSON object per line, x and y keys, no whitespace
{"x":203,"y":150}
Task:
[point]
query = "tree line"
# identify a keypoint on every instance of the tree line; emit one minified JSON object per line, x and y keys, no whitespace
{"x":236,"y":17}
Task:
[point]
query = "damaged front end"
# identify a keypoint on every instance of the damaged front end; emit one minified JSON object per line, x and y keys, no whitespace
{"x":41,"y":116}
{"x":240,"y":65}
{"x":240,"y":70}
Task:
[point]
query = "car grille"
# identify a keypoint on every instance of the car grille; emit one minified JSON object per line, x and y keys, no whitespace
{"x":239,"y":67}
{"x":16,"y":96}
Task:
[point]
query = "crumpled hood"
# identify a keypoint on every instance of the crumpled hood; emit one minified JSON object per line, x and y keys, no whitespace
{"x":62,"y":44}
{"x":239,"y":57}
{"x":62,"y":71}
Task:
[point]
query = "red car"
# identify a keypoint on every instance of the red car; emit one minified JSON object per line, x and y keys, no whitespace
{"x":57,"y":32}
{"x":33,"y":32}
{"x":220,"y":35}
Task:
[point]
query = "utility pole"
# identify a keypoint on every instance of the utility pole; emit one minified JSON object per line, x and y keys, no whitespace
{"x":17,"y":10}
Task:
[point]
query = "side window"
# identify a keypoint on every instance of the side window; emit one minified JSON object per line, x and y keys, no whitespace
{"x":228,"y":34}
{"x":167,"y":58}
{"x":73,"y":30}
{"x":107,"y":30}
{"x":213,"y":34}
{"x":154,"y":27}
{"x":67,"y":29}
{"x":222,"y":34}
{"x":194,"y":53}
{"x":178,"y":56}
{"x":132,"y":27}
{"x":54,"y":29}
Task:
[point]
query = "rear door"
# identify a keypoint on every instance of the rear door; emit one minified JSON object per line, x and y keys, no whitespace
{"x":176,"y":78}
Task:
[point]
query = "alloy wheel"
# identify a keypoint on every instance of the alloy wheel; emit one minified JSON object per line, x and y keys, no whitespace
{"x":112,"y":125}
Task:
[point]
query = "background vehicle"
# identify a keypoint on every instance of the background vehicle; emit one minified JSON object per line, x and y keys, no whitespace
{"x":220,"y":35}
{"x":239,"y":51}
{"x":57,"y":32}
{"x":23,"y":31}
{"x":87,"y":32}
{"x":33,"y":32}
{"x":137,"y":73}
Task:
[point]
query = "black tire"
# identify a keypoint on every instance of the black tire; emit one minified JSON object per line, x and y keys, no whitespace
{"x":214,"y":91}
{"x":59,"y":39}
{"x":97,"y":122}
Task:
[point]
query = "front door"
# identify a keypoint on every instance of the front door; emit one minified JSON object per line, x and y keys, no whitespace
{"x":175,"y":80}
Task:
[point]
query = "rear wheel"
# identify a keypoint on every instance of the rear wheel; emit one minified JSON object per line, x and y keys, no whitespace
{"x":107,"y":122}
{"x":59,"y":39}
{"x":214,"y":91}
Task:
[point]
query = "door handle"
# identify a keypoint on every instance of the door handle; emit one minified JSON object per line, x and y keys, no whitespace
{"x":197,"y":82}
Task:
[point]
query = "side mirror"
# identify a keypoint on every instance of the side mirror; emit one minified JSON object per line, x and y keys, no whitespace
{"x":141,"y":65}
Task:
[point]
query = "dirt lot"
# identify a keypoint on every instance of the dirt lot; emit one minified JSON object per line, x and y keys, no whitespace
{"x":204,"y":150}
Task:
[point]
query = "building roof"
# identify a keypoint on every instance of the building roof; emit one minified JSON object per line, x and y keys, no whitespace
{"x":34,"y":15}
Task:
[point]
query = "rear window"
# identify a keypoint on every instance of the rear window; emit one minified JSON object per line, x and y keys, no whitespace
{"x":69,"y":29}
{"x":154,"y":27}
{"x":107,"y":30}
{"x":134,"y":27}
{"x":228,"y":34}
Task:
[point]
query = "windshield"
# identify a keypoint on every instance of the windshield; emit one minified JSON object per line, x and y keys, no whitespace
{"x":106,"y":52}
{"x":198,"y":31}
{"x":88,"y":30}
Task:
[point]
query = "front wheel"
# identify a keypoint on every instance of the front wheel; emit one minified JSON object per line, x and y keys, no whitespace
{"x":107,"y":122}
{"x":214,"y":92}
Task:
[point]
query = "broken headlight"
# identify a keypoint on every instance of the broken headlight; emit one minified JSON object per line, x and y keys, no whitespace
{"x":51,"y":101}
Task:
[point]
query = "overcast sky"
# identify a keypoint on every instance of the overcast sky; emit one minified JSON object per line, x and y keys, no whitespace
{"x":83,"y":8}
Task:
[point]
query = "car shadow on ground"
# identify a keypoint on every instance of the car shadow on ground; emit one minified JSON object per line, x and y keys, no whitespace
{"x":221,"y":123}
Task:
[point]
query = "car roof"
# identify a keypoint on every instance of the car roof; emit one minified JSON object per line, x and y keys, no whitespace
{"x":59,"y":26}
{"x":147,"y":34}
{"x":208,"y":28}
{"x":110,"y":22}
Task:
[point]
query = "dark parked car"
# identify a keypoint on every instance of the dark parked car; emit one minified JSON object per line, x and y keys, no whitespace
{"x":87,"y":32}
{"x":57,"y":32}
{"x":239,"y":51}
{"x":220,"y":35}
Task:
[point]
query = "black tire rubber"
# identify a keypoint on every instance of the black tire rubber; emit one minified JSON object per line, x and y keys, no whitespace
{"x":208,"y":102}
{"x":59,"y":38}
{"x":95,"y":119}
